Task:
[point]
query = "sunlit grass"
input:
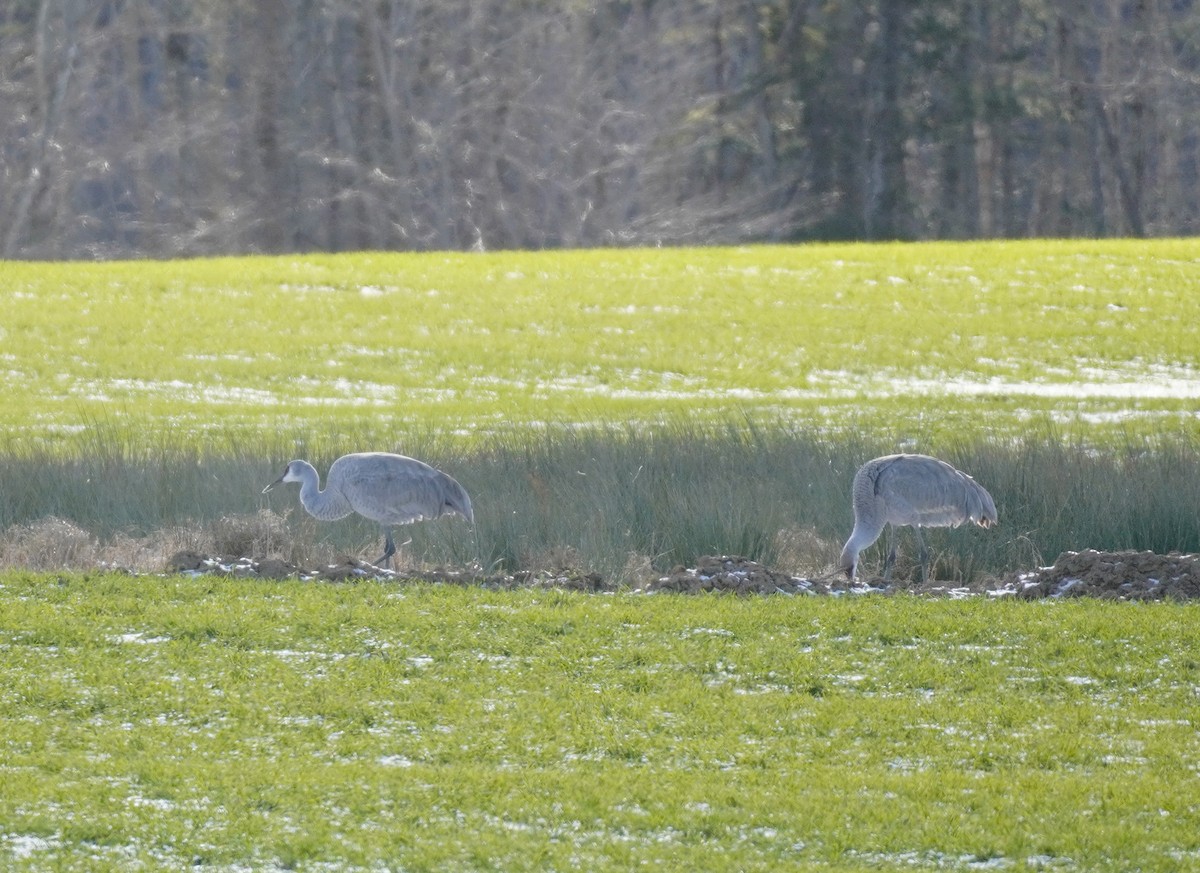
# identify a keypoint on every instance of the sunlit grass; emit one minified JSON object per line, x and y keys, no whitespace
{"x":164,"y":723}
{"x":918,"y":341}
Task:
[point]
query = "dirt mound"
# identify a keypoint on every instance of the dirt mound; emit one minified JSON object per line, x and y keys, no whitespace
{"x":352,"y":569}
{"x":733,"y":574}
{"x":737,"y":575}
{"x":1111,"y":575}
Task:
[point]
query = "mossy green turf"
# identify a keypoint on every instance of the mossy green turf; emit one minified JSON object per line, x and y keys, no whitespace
{"x":908,"y":340}
{"x":162,"y":723}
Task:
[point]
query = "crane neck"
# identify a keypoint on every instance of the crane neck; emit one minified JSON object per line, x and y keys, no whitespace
{"x":327,"y":505}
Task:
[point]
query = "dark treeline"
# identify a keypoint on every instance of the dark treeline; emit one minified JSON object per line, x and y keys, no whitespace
{"x":191,"y":127}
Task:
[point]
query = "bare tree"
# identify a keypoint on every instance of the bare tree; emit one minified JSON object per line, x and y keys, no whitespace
{"x":47,"y":79}
{"x":289,"y":125}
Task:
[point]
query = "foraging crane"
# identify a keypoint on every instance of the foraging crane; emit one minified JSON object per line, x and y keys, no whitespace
{"x":390,"y":489}
{"x":914,"y":490}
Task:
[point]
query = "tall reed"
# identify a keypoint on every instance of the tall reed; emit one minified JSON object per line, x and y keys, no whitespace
{"x":621,"y":499}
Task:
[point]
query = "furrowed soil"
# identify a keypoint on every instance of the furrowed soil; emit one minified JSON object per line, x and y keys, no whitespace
{"x":1125,"y":575}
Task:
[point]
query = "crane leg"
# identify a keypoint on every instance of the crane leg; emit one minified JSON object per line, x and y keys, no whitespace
{"x":890,"y":560}
{"x":922,"y":554}
{"x":389,"y":549}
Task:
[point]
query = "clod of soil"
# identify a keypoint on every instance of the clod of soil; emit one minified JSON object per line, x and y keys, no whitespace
{"x":1112,"y":575}
{"x":733,"y":574}
{"x":1090,"y":573}
{"x":351,"y":569}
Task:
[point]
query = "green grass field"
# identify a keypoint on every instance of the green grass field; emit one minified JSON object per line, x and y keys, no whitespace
{"x":911,"y":342}
{"x":164,"y":723}
{"x":619,"y":411}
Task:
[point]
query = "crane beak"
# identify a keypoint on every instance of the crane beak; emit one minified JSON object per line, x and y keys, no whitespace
{"x":272,"y":485}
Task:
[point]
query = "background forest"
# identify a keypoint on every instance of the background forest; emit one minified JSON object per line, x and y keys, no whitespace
{"x":169,"y":128}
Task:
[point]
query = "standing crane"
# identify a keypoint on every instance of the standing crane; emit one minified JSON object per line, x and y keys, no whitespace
{"x":913,"y":490}
{"x":390,"y":489}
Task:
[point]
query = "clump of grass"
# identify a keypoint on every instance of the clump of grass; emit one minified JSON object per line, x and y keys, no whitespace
{"x":48,"y":544}
{"x":803,"y":551}
{"x":52,"y":543}
{"x":250,"y":535}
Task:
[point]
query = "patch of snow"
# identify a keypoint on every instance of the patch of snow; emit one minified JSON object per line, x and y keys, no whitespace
{"x":25,"y":846}
{"x":1170,"y":389}
{"x":396,"y":761}
{"x":160,"y":803}
{"x":700,"y":631}
{"x":139,"y":637}
{"x":1066,"y":585}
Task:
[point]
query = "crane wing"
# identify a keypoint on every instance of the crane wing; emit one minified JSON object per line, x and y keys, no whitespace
{"x":393,"y":489}
{"x":924,"y":491}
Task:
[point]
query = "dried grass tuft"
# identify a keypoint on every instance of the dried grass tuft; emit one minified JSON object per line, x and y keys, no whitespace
{"x":150,"y":553}
{"x":554,"y":559}
{"x":246,"y":536}
{"x":49,"y":543}
{"x":803,"y":551}
{"x":638,"y":570}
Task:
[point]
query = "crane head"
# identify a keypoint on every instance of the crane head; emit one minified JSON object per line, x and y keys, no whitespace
{"x":288,"y":476}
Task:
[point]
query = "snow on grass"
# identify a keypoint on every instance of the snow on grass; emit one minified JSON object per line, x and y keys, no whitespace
{"x":291,"y":725}
{"x":461,"y":341}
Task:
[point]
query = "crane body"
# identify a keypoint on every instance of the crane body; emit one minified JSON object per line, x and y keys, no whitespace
{"x":386,"y":488}
{"x":911,"y":491}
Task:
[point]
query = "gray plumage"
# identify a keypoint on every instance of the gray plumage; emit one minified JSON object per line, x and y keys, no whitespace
{"x":390,"y":489}
{"x":916,"y":491}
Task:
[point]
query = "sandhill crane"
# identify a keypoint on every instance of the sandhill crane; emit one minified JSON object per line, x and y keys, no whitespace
{"x":914,"y":490}
{"x":390,"y":489}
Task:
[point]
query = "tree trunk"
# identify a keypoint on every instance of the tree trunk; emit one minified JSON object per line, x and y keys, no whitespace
{"x":54,"y":81}
{"x":887,"y":198}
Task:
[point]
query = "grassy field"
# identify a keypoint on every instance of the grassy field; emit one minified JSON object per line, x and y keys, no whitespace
{"x":164,"y":723}
{"x":621,"y":408}
{"x":910,"y":342}
{"x":618,"y":411}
